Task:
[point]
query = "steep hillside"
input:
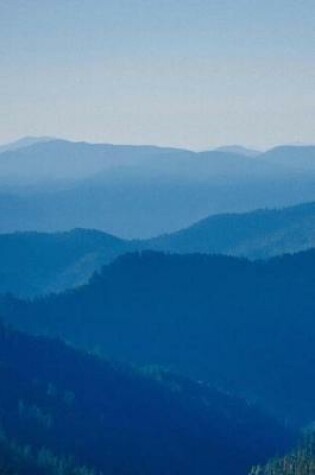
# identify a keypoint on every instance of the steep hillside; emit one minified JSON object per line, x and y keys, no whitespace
{"x":299,"y":462}
{"x":35,"y":263}
{"x":259,"y":234}
{"x":72,"y":410}
{"x":246,"y":326}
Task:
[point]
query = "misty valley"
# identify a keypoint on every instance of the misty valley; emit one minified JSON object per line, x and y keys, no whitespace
{"x":156,"y":310}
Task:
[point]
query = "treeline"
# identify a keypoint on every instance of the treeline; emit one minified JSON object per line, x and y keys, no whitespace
{"x":299,"y":462}
{"x":18,"y":459}
{"x":63,"y":411}
{"x":246,"y":326}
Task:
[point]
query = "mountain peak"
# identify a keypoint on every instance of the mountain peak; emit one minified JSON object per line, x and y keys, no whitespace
{"x":24,"y":142}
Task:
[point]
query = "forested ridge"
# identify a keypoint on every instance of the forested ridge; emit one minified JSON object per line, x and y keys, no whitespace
{"x":247,"y":326}
{"x":157,"y":237}
{"x":34,"y":264}
{"x":62,"y":410}
{"x":301,"y":461}
{"x":259,"y":234}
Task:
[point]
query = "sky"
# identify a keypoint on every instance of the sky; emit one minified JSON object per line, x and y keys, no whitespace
{"x":189,"y":73}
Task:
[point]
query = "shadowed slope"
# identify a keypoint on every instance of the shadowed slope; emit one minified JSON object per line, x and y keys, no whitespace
{"x":120,"y":420}
{"x":246,"y":326}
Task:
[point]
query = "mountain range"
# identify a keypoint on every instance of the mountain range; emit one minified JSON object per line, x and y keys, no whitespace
{"x":23,"y":142}
{"x":246,"y":326}
{"x":257,"y":235}
{"x":141,"y":192}
{"x":34,"y":264}
{"x":157,"y":309}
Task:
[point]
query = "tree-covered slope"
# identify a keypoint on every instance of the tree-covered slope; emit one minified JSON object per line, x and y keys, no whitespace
{"x":61,"y":409}
{"x":259,"y":234}
{"x":245,"y":325}
{"x":33,"y":264}
{"x":299,"y":462}
{"x":38,"y":263}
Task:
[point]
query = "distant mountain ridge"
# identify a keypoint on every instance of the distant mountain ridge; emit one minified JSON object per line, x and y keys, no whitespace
{"x":256,"y":235}
{"x":141,"y":192}
{"x":33,"y":264}
{"x":63,"y":159}
{"x":24,"y":142}
{"x":290,"y":156}
{"x":239,"y":150}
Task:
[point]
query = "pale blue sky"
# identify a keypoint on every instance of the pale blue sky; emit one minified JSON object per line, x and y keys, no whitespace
{"x":180,"y":72}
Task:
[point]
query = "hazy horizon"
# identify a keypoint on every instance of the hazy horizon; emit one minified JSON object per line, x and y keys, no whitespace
{"x":106,"y":142}
{"x":100,"y":142}
{"x":193,"y":74}
{"x":157,"y":237}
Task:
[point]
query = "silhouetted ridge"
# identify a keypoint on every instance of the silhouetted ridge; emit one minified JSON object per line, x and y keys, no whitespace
{"x":143,"y":191}
{"x":259,"y":234}
{"x":36,"y":263}
{"x":61,"y":402}
{"x":39,"y":263}
{"x":247,"y":326}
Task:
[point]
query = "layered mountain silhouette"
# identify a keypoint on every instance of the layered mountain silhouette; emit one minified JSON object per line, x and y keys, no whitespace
{"x":55,"y":159}
{"x":246,"y":326}
{"x":205,"y":352}
{"x":33,"y":264}
{"x":66,"y":412}
{"x":140,"y":192}
{"x":257,"y":235}
{"x":23,"y":142}
{"x":297,"y":157}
